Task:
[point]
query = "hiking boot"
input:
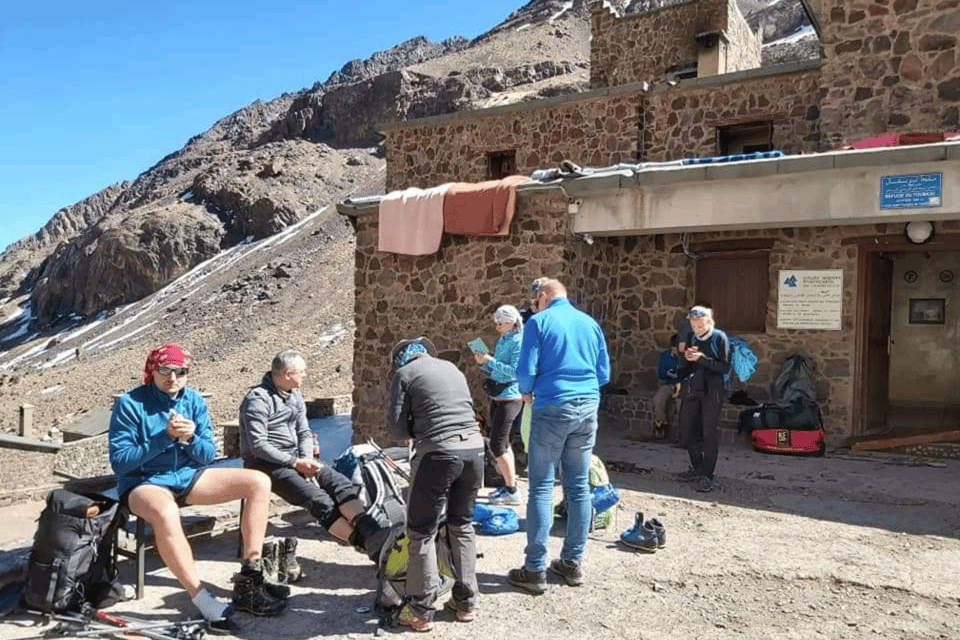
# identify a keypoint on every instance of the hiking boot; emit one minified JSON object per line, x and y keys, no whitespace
{"x":659,"y":530}
{"x":569,"y":570}
{"x":250,"y":592}
{"x":504,"y":496}
{"x":269,"y":561}
{"x":289,"y":569}
{"x":706,"y":485}
{"x":408,"y":618}
{"x":463,"y":615}
{"x":369,"y":536}
{"x":534,"y":582}
{"x":639,"y":536}
{"x":690,"y":475}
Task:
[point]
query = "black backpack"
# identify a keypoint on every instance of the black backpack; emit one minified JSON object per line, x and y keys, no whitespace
{"x":375,"y":482}
{"x":72,"y":564}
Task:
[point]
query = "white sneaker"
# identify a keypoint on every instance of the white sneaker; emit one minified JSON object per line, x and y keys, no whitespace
{"x":502,"y":496}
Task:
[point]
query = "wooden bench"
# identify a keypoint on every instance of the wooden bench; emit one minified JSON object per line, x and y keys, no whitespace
{"x":191,"y":528}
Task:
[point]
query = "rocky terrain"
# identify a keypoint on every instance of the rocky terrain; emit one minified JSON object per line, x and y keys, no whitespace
{"x":190,"y":248}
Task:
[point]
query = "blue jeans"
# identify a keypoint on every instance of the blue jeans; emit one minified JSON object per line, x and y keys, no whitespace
{"x":561,"y":435}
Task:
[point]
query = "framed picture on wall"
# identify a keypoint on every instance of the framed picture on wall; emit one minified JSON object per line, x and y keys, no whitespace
{"x":927,"y":310}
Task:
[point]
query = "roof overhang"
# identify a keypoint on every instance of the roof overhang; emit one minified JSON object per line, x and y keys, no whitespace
{"x":827,"y":189}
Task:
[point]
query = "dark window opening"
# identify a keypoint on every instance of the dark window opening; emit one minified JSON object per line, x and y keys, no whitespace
{"x":736,"y":286}
{"x":502,"y":164}
{"x":745,"y":138}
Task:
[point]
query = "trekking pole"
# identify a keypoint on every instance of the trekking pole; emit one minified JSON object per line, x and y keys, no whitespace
{"x":186,"y":630}
{"x":390,"y":461}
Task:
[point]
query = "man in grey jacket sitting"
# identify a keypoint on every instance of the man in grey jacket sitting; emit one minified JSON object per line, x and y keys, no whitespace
{"x":275,"y":438}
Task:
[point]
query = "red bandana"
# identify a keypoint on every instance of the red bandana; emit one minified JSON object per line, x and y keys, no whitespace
{"x":169,"y":355}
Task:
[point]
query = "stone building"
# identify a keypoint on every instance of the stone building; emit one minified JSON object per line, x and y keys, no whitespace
{"x":638,"y":243}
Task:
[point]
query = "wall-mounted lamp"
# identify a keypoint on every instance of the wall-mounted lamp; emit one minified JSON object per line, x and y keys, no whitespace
{"x":919,"y":231}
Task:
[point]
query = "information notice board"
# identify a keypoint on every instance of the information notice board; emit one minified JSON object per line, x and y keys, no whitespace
{"x":810,"y":299}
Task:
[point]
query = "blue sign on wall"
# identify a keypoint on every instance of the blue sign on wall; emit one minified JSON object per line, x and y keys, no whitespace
{"x":914,"y":191}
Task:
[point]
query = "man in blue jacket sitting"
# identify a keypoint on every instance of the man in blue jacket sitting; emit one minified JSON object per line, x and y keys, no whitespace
{"x":161,"y":442}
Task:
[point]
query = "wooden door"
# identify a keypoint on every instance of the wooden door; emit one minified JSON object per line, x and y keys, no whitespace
{"x":876,"y":335}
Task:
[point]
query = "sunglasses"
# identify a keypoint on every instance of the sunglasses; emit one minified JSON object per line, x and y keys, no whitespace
{"x":169,"y":371}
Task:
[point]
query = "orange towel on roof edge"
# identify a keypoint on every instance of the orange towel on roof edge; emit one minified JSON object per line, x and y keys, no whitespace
{"x":481,"y":208}
{"x":411,"y":221}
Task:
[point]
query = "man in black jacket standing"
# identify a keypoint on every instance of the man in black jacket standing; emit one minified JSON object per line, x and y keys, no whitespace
{"x":703,"y":366}
{"x":430,"y":404}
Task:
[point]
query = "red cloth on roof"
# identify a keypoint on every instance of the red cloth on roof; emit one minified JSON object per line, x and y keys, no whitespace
{"x":898,"y":139}
{"x":481,"y":208}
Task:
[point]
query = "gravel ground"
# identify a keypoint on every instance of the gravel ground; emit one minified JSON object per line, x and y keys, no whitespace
{"x":836,"y":547}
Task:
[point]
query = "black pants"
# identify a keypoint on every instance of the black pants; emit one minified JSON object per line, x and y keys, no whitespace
{"x":503,"y":413}
{"x":699,"y":428}
{"x":322,"y":499}
{"x":443,"y":479}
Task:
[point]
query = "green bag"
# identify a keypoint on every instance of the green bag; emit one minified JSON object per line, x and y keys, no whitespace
{"x":597,"y":476}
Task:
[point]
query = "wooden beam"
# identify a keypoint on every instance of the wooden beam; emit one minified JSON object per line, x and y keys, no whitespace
{"x":876,"y":444}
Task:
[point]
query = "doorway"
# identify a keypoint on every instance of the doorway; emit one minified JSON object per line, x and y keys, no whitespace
{"x":909,"y":345}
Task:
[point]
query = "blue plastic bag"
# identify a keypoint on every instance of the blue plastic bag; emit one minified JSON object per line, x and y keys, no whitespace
{"x":495,"y":520}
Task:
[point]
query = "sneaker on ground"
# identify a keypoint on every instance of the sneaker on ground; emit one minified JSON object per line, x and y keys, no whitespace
{"x":534,"y":582}
{"x":660,"y":530}
{"x":462,"y":614}
{"x":706,"y":485}
{"x":409,"y":619}
{"x":503,"y":496}
{"x":640,"y":536}
{"x":495,"y":494}
{"x":690,"y":475}
{"x":569,"y":570}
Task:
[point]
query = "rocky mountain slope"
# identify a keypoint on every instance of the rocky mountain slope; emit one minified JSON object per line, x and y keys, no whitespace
{"x":82,"y":300}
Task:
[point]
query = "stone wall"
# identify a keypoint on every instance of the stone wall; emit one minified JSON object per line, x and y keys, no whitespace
{"x":595,"y":130}
{"x":744,"y":46}
{"x":26,"y":469}
{"x":449,"y":297}
{"x":637,"y":287}
{"x":889,"y":67}
{"x":683,"y":121}
{"x":647,"y":46}
{"x":600,"y":129}
{"x":84,"y":458}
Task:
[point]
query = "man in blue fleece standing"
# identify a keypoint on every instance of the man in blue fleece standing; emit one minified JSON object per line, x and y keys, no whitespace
{"x":563,"y":364}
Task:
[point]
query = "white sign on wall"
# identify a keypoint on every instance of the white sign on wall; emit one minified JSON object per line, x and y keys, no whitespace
{"x":810,"y":299}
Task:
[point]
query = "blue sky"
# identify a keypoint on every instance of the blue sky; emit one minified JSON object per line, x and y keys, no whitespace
{"x":92,"y":93}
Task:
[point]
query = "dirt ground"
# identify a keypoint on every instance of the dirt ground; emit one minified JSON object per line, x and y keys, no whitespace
{"x":834,"y":547}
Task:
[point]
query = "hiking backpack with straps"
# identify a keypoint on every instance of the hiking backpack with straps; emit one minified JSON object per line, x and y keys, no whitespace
{"x":375,"y":482}
{"x":72,"y":562}
{"x":392,"y":568}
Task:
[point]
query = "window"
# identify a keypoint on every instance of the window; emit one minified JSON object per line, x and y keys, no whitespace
{"x":745,"y":138}
{"x":502,"y":164}
{"x":736,"y":286}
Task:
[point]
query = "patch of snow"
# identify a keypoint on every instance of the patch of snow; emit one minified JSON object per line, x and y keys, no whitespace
{"x":800,"y":34}
{"x":131,"y":334}
{"x":335,"y":332}
{"x":55,"y":387}
{"x":60,"y":357}
{"x":566,"y":7}
{"x":13,"y":316}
